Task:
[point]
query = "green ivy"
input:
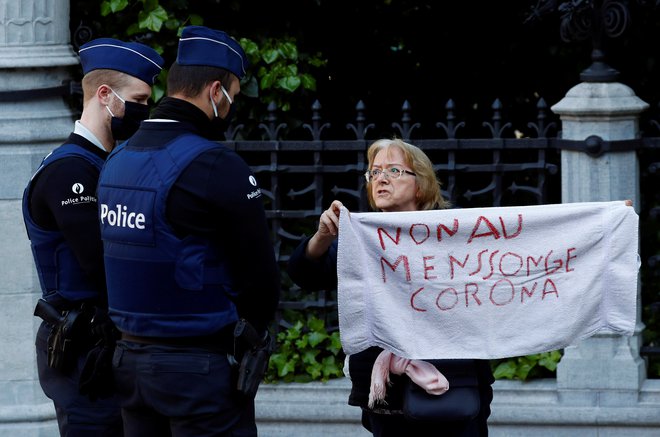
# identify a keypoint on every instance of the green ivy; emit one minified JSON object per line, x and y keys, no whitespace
{"x":279,"y":74}
{"x":306,"y":352}
{"x":527,"y":367}
{"x":275,"y":72}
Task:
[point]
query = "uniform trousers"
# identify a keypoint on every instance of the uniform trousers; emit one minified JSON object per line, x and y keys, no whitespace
{"x":77,"y":415}
{"x":179,"y":391}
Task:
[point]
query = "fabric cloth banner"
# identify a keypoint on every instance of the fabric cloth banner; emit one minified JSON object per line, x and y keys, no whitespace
{"x":486,"y":283}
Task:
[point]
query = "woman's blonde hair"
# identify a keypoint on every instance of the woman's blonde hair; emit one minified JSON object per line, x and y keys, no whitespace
{"x":429,"y":195}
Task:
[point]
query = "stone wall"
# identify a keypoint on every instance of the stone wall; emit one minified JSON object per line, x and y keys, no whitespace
{"x":35,"y":56}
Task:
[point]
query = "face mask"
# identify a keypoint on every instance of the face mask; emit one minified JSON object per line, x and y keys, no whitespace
{"x":134,"y":113}
{"x":220,"y":125}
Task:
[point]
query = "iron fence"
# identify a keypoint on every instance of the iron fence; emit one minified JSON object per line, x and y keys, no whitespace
{"x":511,"y":163}
{"x":299,"y":178}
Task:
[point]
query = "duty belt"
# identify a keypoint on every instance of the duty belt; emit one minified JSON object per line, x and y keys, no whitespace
{"x":220,"y":341}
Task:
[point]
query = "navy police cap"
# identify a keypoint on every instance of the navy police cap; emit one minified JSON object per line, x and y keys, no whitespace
{"x":200,"y":45}
{"x":132,"y":58}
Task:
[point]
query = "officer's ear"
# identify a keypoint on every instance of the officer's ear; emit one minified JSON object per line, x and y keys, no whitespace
{"x":214,"y":89}
{"x":103,"y":94}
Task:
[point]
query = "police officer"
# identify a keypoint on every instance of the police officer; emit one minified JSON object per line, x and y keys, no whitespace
{"x":187,"y":252}
{"x":61,"y":217}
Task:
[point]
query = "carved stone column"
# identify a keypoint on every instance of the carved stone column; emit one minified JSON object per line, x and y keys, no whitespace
{"x":604,"y":369}
{"x":35,"y":58}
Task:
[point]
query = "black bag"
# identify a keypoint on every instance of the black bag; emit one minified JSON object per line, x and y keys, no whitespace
{"x":460,"y":403}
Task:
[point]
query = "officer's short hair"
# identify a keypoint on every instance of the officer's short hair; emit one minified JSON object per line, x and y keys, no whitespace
{"x":190,"y":80}
{"x":112,"y":78}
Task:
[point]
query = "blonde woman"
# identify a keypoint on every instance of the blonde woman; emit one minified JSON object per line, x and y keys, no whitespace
{"x":400,"y":177}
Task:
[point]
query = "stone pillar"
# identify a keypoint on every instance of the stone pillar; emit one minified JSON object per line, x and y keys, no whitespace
{"x":604,"y":369}
{"x":35,"y":58}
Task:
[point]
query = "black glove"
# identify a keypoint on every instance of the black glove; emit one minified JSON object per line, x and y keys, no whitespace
{"x":102,"y":327}
{"x":96,"y":378}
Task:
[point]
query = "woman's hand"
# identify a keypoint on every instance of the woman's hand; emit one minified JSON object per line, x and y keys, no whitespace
{"x":326,"y":233}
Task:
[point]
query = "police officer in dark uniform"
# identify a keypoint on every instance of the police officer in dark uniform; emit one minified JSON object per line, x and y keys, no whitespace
{"x":188,"y":252}
{"x":61,"y":217}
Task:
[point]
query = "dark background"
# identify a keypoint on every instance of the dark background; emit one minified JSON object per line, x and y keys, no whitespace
{"x":386,"y":52}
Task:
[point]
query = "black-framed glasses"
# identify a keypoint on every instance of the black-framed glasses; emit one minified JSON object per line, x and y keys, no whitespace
{"x":390,"y":173}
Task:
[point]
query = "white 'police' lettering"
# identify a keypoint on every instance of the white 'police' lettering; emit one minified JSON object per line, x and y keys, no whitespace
{"x":255,"y":193}
{"x":77,"y":200}
{"x":121,"y":217}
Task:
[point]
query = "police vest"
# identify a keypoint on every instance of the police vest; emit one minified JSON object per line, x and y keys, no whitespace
{"x":158,"y":284}
{"x":59,"y":272}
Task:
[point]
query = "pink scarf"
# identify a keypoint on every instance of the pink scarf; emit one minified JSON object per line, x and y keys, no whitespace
{"x":422,"y":373}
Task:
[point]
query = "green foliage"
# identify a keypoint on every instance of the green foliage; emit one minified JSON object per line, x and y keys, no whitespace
{"x":306,"y":352}
{"x":151,"y":15}
{"x":275,"y":70}
{"x":279,"y":74}
{"x":527,"y":367}
{"x":112,"y":6}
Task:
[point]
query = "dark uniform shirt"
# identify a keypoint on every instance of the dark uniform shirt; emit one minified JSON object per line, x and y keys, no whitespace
{"x":52,"y":206}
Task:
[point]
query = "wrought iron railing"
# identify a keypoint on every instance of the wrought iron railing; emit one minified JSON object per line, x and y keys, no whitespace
{"x":301,"y":177}
{"x":509,"y":165}
{"x":649,"y":157}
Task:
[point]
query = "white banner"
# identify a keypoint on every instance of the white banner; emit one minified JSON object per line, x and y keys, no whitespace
{"x":486,"y":282}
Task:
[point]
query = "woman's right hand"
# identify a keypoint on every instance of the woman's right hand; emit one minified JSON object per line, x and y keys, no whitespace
{"x":327,"y":231}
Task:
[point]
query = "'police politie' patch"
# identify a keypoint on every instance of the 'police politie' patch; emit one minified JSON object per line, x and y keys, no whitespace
{"x":78,"y":196}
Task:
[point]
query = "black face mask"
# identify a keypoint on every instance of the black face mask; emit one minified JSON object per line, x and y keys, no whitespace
{"x":230,"y":114}
{"x":124,"y":128}
{"x":220,"y":125}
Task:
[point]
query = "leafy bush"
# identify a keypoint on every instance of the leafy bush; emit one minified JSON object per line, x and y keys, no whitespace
{"x":280,"y":74}
{"x":306,"y":352}
{"x":541,"y":365}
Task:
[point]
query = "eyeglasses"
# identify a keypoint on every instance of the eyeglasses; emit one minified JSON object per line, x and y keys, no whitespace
{"x":390,"y":173}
